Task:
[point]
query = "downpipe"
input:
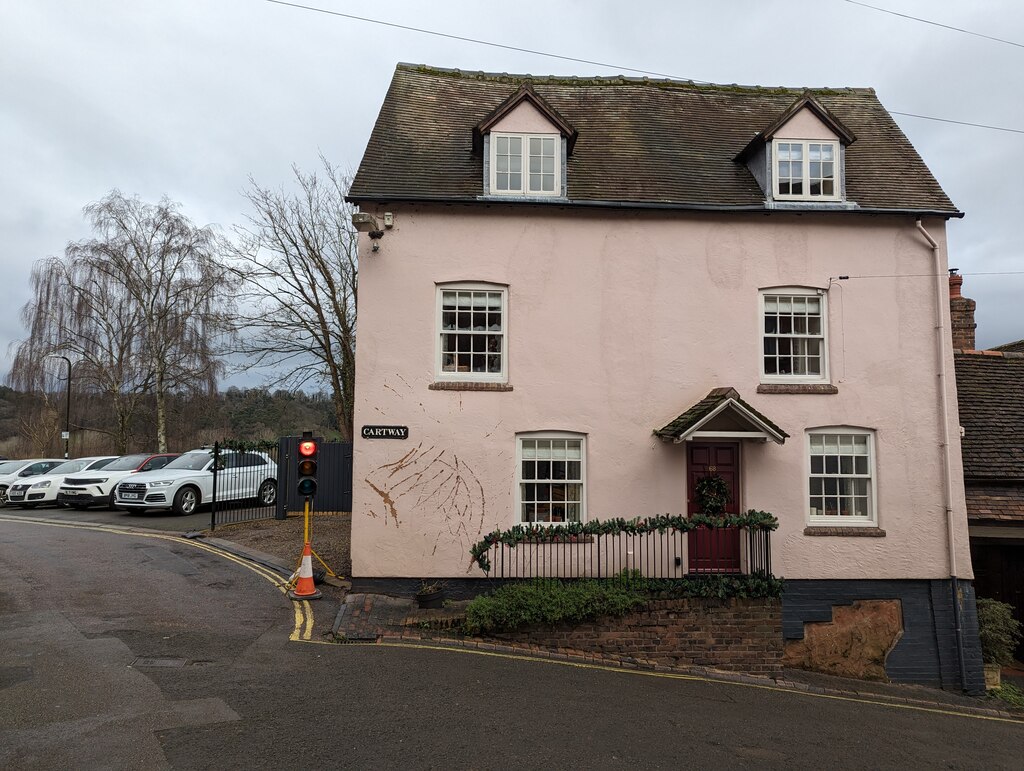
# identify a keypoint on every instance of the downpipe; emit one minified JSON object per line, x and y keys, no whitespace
{"x":941,"y":298}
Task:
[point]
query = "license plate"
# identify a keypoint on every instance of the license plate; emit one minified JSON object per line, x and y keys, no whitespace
{"x":130,"y":496}
{"x":69,"y":495}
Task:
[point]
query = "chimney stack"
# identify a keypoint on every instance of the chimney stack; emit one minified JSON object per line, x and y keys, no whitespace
{"x":961,"y":314}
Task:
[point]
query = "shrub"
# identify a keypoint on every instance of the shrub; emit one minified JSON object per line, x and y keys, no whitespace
{"x":550,"y":602}
{"x":998,"y":631}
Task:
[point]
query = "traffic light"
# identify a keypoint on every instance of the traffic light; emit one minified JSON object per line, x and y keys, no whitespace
{"x":307,"y":465}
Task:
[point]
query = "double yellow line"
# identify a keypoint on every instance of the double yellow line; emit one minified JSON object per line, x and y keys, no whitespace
{"x":303,"y":632}
{"x":303,"y":629}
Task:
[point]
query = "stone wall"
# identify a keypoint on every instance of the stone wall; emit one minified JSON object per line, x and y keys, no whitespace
{"x":740,"y":635}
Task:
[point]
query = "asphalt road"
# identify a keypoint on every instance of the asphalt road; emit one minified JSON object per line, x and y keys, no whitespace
{"x":132,"y":651}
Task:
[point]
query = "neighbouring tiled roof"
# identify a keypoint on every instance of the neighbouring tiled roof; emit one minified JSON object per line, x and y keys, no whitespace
{"x":640,"y":141}
{"x":1015,"y":347}
{"x":704,"y":407}
{"x":990,"y":388}
{"x":1003,"y":503}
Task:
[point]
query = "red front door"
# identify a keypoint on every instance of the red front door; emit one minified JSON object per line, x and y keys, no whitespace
{"x":713,"y":551}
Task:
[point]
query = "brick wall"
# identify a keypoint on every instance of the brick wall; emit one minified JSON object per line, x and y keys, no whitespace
{"x":734,"y":635}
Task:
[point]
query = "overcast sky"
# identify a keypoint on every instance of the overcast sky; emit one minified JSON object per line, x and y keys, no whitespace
{"x":189,"y":97}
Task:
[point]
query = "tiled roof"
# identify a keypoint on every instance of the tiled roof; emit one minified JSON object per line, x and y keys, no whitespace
{"x":990,"y":387}
{"x":1015,"y":347}
{"x":646,"y":142}
{"x":1004,"y":503}
{"x":705,"y":407}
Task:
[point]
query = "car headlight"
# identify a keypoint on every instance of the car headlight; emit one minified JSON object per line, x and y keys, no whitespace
{"x":100,"y":480}
{"x":41,"y":485}
{"x":161,"y":484}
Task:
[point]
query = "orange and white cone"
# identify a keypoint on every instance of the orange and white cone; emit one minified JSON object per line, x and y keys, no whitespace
{"x":305,"y":589}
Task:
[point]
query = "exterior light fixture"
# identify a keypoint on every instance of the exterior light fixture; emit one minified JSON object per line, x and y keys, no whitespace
{"x":364,"y":222}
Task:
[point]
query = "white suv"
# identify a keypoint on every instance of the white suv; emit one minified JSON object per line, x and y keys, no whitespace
{"x":186,"y":482}
{"x":42,"y":489}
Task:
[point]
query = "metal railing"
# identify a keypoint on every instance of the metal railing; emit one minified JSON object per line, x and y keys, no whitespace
{"x":659,"y":555}
{"x":243,"y":489}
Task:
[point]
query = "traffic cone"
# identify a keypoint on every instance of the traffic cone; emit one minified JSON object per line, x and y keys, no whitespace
{"x":304,"y":587}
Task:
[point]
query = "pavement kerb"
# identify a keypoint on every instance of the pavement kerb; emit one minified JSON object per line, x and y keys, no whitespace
{"x":407,"y":637}
{"x":703,"y":673}
{"x":413,"y":639}
{"x":260,"y":558}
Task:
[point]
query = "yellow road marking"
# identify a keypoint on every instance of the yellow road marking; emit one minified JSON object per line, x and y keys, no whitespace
{"x":304,"y":618}
{"x":303,"y":611}
{"x":680,"y":676}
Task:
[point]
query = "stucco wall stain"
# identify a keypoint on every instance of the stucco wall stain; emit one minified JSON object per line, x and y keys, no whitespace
{"x":435,"y":482}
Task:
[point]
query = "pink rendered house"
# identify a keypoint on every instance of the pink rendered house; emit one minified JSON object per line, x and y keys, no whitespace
{"x":581,"y":296}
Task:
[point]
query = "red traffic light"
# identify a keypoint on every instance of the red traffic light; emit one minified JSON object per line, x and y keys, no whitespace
{"x":307,"y":448}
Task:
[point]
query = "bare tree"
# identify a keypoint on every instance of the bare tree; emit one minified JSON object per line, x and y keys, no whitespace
{"x":298,"y":263}
{"x":139,"y":305}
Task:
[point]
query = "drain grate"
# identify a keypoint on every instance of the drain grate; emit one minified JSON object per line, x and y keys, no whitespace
{"x":145,"y":661}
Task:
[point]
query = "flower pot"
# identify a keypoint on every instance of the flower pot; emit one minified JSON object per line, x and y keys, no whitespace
{"x":431,"y":599}
{"x":993,"y":677}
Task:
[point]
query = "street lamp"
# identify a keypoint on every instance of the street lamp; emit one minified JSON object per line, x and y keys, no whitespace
{"x":67,"y":408}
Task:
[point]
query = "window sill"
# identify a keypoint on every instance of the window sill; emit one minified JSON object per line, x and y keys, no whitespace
{"x":468,"y":385}
{"x":844,"y":532}
{"x":797,"y":388}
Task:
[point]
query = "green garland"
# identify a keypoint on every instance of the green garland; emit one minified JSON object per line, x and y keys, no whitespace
{"x":571,"y":532}
{"x":244,"y":445}
{"x":711,"y":495}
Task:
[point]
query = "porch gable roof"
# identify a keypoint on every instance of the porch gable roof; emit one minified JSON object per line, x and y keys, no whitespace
{"x":717,"y":401}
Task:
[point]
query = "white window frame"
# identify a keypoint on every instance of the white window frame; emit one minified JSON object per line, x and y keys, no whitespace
{"x":477,"y":377}
{"x":806,"y":175}
{"x":524,"y":189}
{"x":836,"y":520}
{"x":793,"y":291}
{"x":517,"y":513}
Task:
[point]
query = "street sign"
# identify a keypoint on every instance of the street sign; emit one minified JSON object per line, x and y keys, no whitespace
{"x":385,"y":432}
{"x":65,"y":435}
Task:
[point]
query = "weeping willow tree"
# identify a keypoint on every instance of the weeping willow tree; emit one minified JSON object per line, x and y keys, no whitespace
{"x":139,"y":307}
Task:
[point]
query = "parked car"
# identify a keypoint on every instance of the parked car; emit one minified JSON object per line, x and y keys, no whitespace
{"x":186,"y":482}
{"x":84,"y":490}
{"x":43,"y":488}
{"x":12,"y":471}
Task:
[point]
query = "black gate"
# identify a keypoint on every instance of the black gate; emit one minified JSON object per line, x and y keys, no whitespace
{"x":333,"y":478}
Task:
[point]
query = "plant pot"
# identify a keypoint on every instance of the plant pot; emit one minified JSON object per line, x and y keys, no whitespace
{"x":431,"y":599}
{"x":993,"y":677}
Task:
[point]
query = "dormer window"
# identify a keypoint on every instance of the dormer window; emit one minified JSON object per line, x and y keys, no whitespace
{"x":525,"y":164}
{"x":806,"y":170}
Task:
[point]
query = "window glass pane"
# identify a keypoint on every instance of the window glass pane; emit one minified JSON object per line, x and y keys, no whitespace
{"x":515,"y":181}
{"x":502,"y":145}
{"x":515,"y":145}
{"x":535,"y":182}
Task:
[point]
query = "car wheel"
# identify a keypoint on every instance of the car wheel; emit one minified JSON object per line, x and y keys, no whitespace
{"x":186,"y":501}
{"x":3,"y":496}
{"x":112,"y":502}
{"x":267,"y":494}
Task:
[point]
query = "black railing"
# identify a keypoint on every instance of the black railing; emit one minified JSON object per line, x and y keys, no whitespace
{"x":244,"y":482}
{"x":663,"y":554}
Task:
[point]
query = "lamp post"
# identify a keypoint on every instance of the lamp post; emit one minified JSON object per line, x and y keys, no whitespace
{"x":67,"y":407}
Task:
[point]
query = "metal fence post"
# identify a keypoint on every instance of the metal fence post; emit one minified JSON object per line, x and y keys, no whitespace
{"x":213,"y":502}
